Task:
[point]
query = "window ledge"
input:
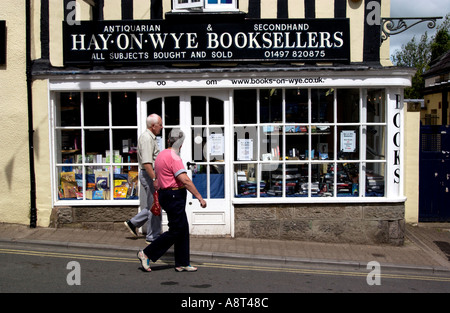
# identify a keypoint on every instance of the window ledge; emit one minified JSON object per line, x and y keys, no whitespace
{"x":305,"y":200}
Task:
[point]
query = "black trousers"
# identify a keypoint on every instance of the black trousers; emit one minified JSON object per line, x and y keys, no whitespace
{"x":173,"y":202}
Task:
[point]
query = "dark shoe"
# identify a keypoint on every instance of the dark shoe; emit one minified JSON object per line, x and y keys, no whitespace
{"x":131,"y":227}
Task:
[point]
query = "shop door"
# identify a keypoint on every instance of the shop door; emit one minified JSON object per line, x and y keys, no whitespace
{"x":434,"y":174}
{"x":205,"y":152}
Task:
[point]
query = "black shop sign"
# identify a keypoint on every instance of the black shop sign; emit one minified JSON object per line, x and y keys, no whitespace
{"x":2,"y":42}
{"x":161,"y":41}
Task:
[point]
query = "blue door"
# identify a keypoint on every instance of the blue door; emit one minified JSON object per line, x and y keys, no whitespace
{"x":434,"y":174}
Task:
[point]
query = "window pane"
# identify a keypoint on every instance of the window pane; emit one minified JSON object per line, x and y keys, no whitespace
{"x":125,"y":182}
{"x":70,"y":145}
{"x":96,"y":111}
{"x":376,"y":143}
{"x":70,"y":185}
{"x":245,"y":106}
{"x":272,"y":177}
{"x":245,"y":185}
{"x":322,"y":142}
{"x":199,"y":178}
{"x":297,"y":105}
{"x":98,"y":182}
{"x":216,"y":115}
{"x":348,"y":105}
{"x":322,"y":179}
{"x":68,"y":112}
{"x":348,"y":179}
{"x":125,"y":143}
{"x":322,"y":105}
{"x":271,"y":143}
{"x":124,"y":109}
{"x":271,"y":106}
{"x":198,"y":111}
{"x":216,"y":144}
{"x":155,"y":107}
{"x":172,"y":110}
{"x":96,"y":145}
{"x":376,"y":106}
{"x":375,"y":179}
{"x":348,"y":142}
{"x":199,"y":144}
{"x":296,"y":142}
{"x":245,"y":143}
{"x":217,"y":181}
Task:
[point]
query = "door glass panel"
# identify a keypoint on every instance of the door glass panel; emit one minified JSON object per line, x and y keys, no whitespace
{"x":172,"y":111}
{"x":208,"y":146}
{"x":155,"y":106}
{"x":199,"y":178}
{"x":198,"y":110}
{"x":199,"y":144}
{"x":215,"y":112}
{"x":217,"y":181}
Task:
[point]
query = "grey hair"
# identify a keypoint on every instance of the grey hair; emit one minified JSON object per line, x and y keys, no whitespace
{"x":175,"y":139}
{"x":152,"y":119}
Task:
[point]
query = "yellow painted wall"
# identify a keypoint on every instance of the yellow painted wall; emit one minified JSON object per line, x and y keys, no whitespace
{"x":411,"y":154}
{"x":14,"y":160}
{"x":41,"y":151}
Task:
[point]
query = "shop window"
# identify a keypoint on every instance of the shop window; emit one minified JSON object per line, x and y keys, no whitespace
{"x":309,"y":143}
{"x":95,"y":136}
{"x":206,"y":5}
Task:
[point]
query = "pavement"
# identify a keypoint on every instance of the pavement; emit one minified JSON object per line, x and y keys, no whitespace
{"x":426,"y":247}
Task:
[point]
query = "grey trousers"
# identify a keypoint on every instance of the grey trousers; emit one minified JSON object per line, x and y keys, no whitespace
{"x":154,"y":223}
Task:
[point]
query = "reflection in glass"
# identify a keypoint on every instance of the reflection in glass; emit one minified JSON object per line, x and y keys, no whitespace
{"x":322,"y":105}
{"x":96,"y":109}
{"x":245,"y":178}
{"x":272,"y":176}
{"x":376,"y":106}
{"x":245,"y":102}
{"x":123,"y":108}
{"x":376,"y":143}
{"x":271,"y":109}
{"x":68,"y":112}
{"x":375,"y":179}
{"x":348,"y":105}
{"x":70,"y":185}
{"x":297,"y":105}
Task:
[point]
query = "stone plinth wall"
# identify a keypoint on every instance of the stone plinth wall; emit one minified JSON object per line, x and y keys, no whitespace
{"x":104,"y":218}
{"x":338,"y":223}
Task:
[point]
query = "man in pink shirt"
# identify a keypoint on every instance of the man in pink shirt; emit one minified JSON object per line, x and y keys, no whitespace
{"x":173,"y":182}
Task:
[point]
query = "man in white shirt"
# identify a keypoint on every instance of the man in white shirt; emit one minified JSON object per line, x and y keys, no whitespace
{"x":147,"y":151}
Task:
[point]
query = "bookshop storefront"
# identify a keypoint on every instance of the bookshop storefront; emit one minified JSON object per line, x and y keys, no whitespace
{"x":281,"y":151}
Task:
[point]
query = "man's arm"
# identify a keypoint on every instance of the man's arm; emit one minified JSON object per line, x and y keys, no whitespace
{"x":187,"y":182}
{"x":149,"y":169}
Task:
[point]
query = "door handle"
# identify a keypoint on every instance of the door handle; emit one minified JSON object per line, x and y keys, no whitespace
{"x":189,"y":164}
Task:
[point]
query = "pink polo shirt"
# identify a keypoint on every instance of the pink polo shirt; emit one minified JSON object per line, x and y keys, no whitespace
{"x":168,"y":165}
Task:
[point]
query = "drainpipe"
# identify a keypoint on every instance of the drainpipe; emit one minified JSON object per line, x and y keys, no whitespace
{"x":33,"y":211}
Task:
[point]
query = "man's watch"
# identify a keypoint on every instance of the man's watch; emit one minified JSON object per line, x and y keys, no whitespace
{"x":154,"y":179}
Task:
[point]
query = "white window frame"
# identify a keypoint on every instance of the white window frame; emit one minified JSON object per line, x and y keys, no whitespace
{"x":205,"y":6}
{"x":362,"y":125}
{"x":111,"y":164}
{"x":189,"y":5}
